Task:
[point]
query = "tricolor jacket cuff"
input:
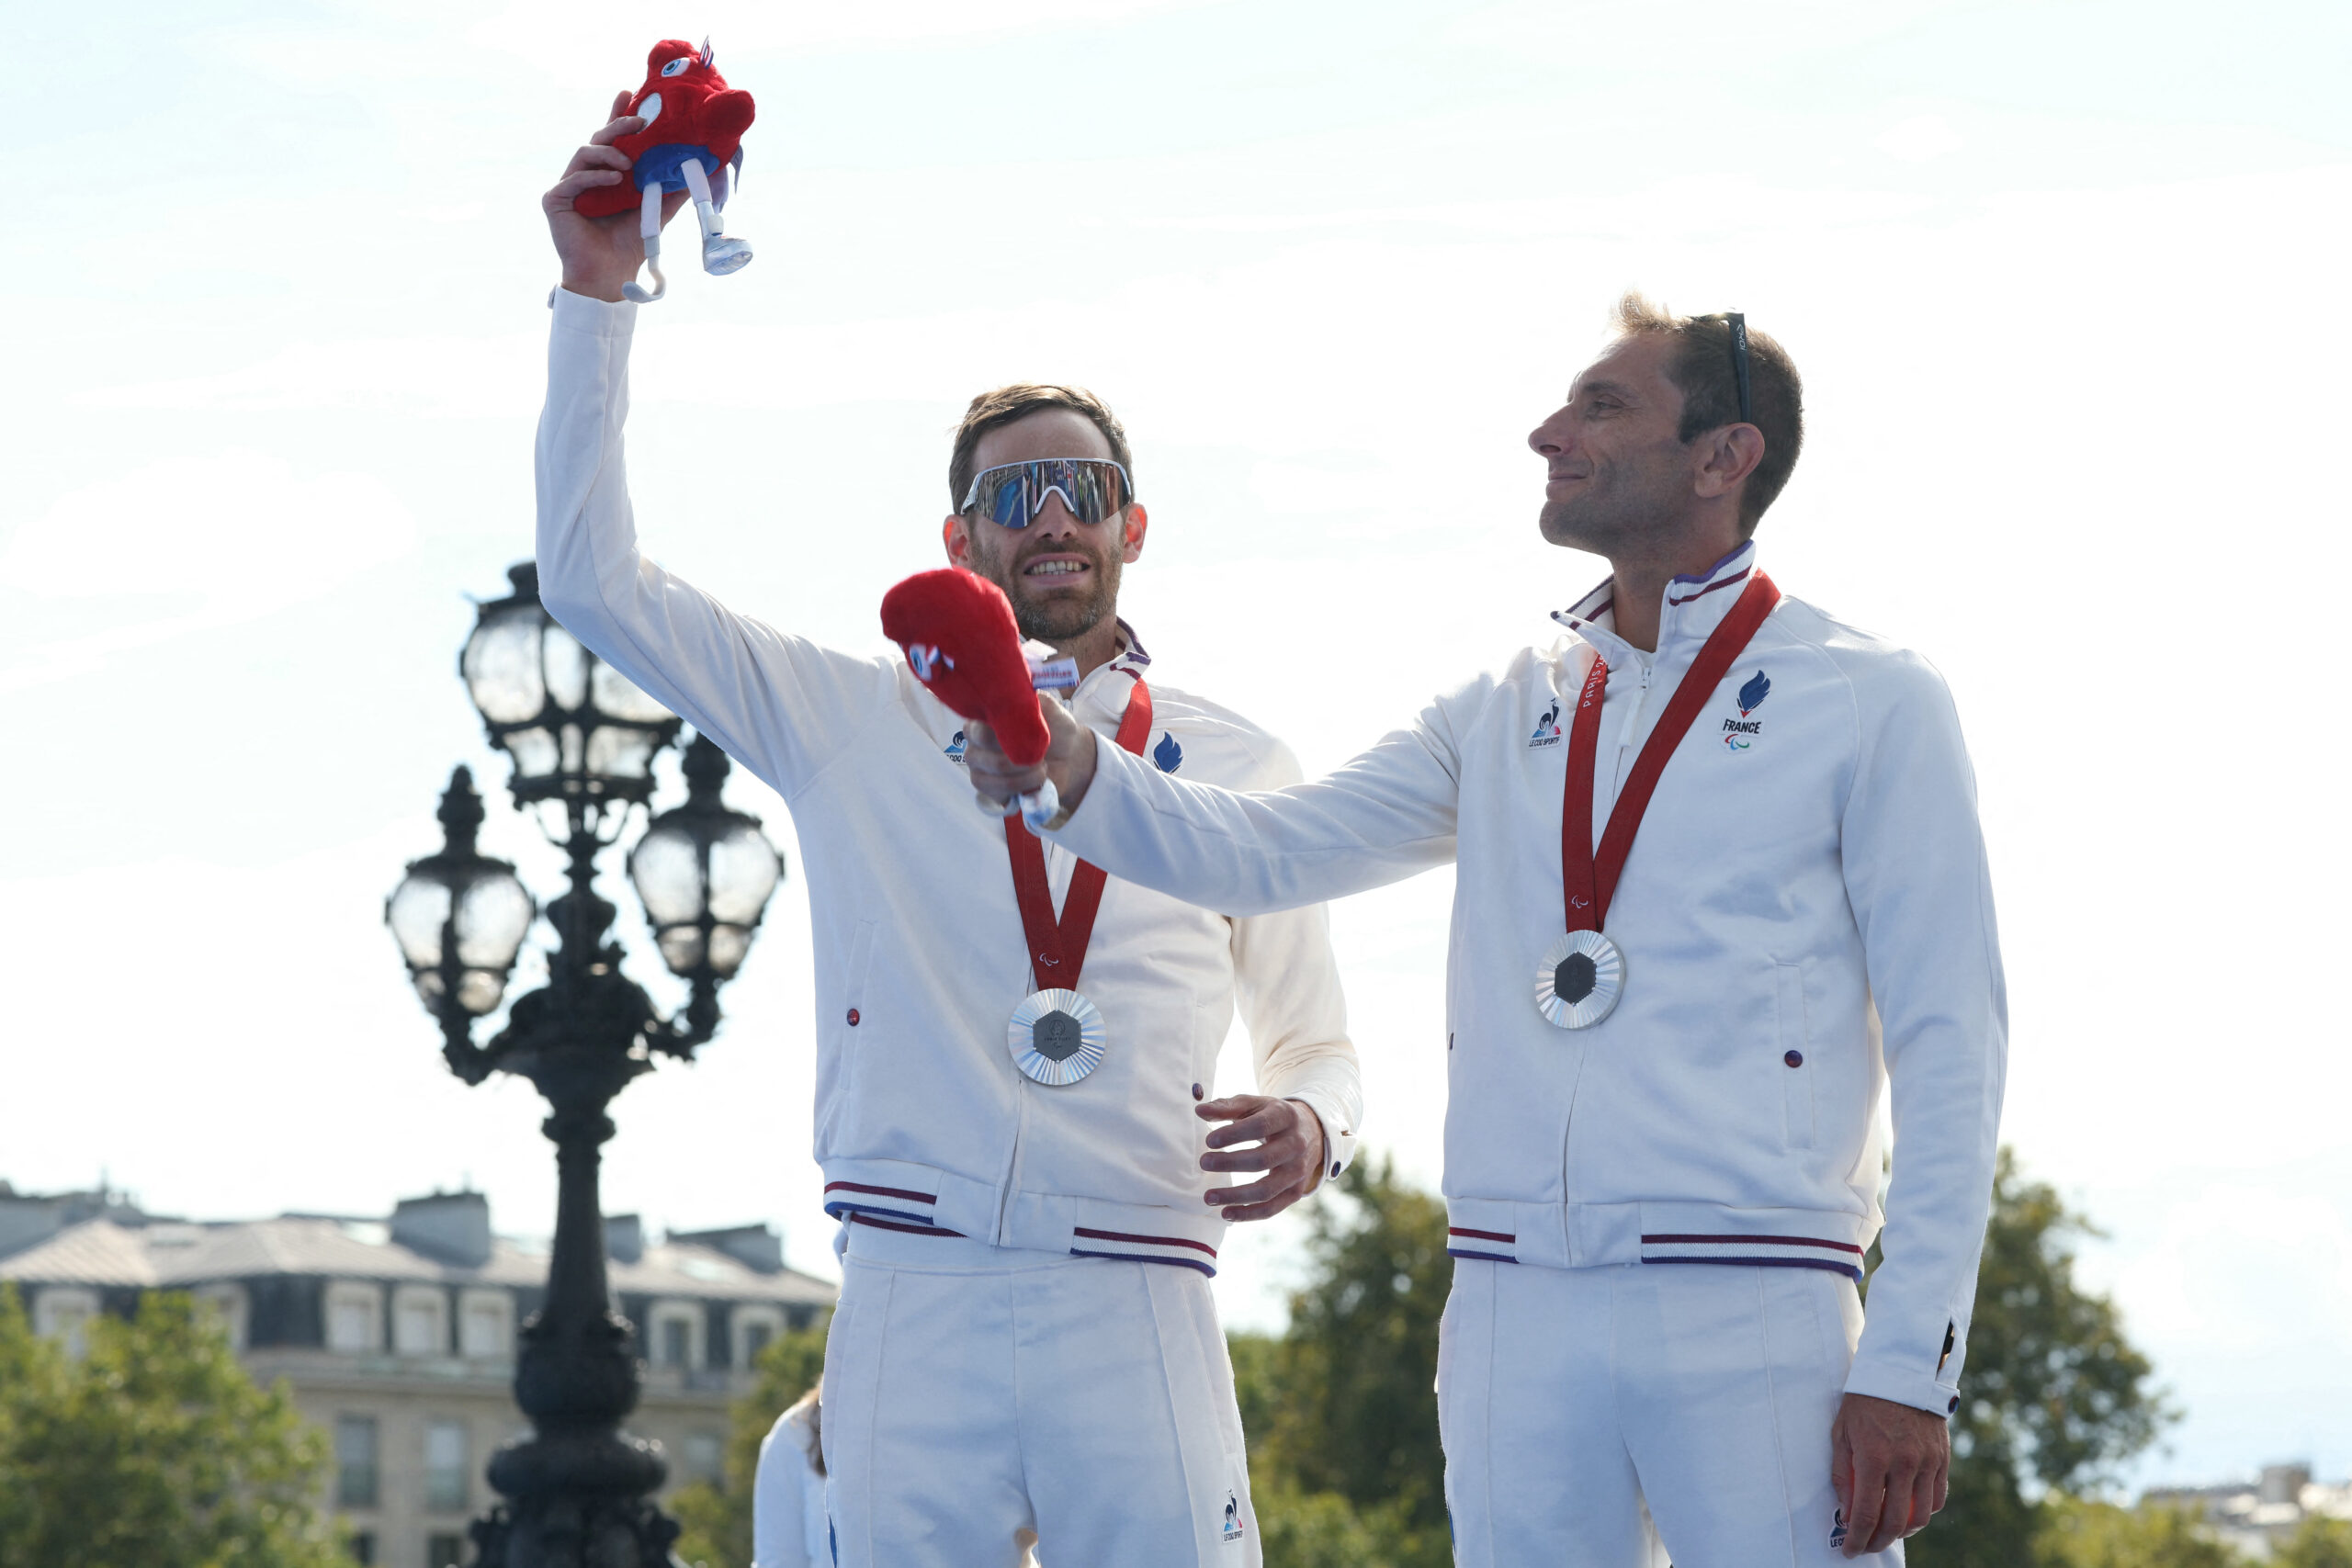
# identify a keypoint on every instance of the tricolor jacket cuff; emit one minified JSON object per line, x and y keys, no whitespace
{"x":1339,"y":1131}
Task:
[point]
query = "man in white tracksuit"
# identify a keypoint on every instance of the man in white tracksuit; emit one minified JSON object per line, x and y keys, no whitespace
{"x":1803,"y":927}
{"x":1025,"y":1341}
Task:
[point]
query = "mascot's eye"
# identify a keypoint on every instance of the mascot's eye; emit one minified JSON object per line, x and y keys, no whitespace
{"x":678,"y":66}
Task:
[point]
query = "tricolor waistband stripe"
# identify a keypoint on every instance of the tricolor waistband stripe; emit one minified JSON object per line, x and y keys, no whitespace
{"x":1137,"y":1248}
{"x":880,"y":1191}
{"x":857,"y":1218}
{"x":1142,"y":1240}
{"x":1145,"y":1258}
{"x":1851,"y":1271}
{"x":1742,"y":1240}
{"x":1506,"y":1238}
{"x":837,"y":1207}
{"x":1769,"y":1251}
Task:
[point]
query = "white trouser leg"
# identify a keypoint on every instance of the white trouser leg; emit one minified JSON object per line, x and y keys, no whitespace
{"x":922,"y":1461}
{"x":1729,"y":1377}
{"x":1536,"y":1470}
{"x":974,"y":1392}
{"x":1130,"y":1436}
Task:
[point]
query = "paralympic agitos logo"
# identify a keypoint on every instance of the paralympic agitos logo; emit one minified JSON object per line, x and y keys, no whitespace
{"x":1740,"y":733}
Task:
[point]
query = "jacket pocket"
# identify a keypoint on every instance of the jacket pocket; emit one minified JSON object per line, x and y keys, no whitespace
{"x":1796,"y":1066}
{"x":847,"y":1030}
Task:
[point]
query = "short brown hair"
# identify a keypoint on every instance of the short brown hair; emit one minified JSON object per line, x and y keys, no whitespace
{"x":1699,"y":365}
{"x":1020,"y":400}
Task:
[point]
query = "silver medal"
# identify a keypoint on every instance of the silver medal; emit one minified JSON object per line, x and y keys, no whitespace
{"x":1055,"y":1037}
{"x":1579,"y":980}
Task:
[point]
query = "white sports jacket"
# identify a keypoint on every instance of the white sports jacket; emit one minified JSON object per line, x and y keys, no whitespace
{"x":1805,"y":916}
{"x":923,"y":1119}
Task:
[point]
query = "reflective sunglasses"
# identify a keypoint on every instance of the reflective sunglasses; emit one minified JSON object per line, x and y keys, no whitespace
{"x":1011,"y":495}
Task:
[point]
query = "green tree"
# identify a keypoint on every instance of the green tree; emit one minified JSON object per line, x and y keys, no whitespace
{"x":153,"y":1447}
{"x":717,"y":1518}
{"x":2077,"y":1534}
{"x":2053,"y":1395}
{"x":1342,"y":1411}
{"x":2321,"y":1543}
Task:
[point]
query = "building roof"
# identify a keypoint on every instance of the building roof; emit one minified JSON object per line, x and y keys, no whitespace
{"x":101,"y":1252}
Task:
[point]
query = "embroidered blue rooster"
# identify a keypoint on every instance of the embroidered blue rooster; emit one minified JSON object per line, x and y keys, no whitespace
{"x":1752,"y":695}
{"x":1549,"y":724}
{"x":1168,"y":754}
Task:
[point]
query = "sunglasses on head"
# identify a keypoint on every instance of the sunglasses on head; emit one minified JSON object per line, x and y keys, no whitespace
{"x":1011,"y":495}
{"x":1737,"y":322}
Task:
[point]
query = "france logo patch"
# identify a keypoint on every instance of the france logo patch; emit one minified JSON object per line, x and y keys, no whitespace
{"x":1752,"y":695}
{"x":1168,"y":754}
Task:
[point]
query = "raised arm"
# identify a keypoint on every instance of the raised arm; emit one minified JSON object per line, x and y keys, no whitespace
{"x":779,"y":704}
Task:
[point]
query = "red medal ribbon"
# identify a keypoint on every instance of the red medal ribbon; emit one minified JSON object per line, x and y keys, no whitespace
{"x":1590,"y":876}
{"x":1058,"y":948}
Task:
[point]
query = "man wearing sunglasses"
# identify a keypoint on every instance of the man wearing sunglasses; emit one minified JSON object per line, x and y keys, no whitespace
{"x":1720,"y":892}
{"x":1026,"y":1346}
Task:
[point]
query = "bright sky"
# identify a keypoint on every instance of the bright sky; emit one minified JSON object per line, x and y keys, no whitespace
{"x":2065,"y":279}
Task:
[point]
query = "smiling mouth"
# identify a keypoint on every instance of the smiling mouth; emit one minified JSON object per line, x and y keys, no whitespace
{"x":1061,"y":567}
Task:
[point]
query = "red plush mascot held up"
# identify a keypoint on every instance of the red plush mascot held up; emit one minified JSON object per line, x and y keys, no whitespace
{"x":693,"y":135}
{"x":960,"y":640}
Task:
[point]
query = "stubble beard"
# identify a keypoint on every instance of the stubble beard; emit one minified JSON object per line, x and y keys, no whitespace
{"x":1614,"y":519}
{"x":1060,"y":618}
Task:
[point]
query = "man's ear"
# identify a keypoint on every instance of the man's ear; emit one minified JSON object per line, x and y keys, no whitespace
{"x":956,"y":537}
{"x":1727,"y":458}
{"x":1131,"y":532}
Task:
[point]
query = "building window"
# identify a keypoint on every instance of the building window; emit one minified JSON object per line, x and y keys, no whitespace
{"x":420,"y":1321}
{"x":756,"y":1328}
{"x":355,"y":1317}
{"x":66,"y":1315}
{"x":363,"y":1547}
{"x":227,"y":1304}
{"x":677,"y":1335}
{"x":704,"y":1457}
{"x":486,"y":1327}
{"x":354,"y":1461}
{"x":446,"y":1469}
{"x":444,"y":1550}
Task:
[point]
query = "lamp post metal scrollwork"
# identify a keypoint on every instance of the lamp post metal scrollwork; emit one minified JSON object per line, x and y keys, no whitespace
{"x":582,"y":739}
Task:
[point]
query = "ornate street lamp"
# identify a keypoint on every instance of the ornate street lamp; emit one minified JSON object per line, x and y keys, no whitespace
{"x":579,"y":1491}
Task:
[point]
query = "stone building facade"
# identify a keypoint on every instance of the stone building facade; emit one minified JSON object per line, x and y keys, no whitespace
{"x":397,"y":1335}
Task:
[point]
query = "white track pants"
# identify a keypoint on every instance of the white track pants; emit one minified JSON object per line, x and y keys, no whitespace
{"x":1570,"y":1397}
{"x":973,"y":1393}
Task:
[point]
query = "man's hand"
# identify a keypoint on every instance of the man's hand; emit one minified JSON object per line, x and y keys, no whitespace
{"x":599,"y":254}
{"x":1070,"y":760}
{"x":1290,"y":1151}
{"x":1890,"y":1464}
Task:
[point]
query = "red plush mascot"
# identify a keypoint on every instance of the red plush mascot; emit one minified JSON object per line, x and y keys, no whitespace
{"x":693,"y":135}
{"x":960,"y":640}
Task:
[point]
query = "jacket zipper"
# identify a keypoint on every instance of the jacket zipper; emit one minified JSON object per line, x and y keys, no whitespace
{"x":1012,"y":1163}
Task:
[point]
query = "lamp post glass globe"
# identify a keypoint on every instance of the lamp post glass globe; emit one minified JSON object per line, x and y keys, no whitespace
{"x":705,"y":874}
{"x":574,"y":726}
{"x":459,"y":916}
